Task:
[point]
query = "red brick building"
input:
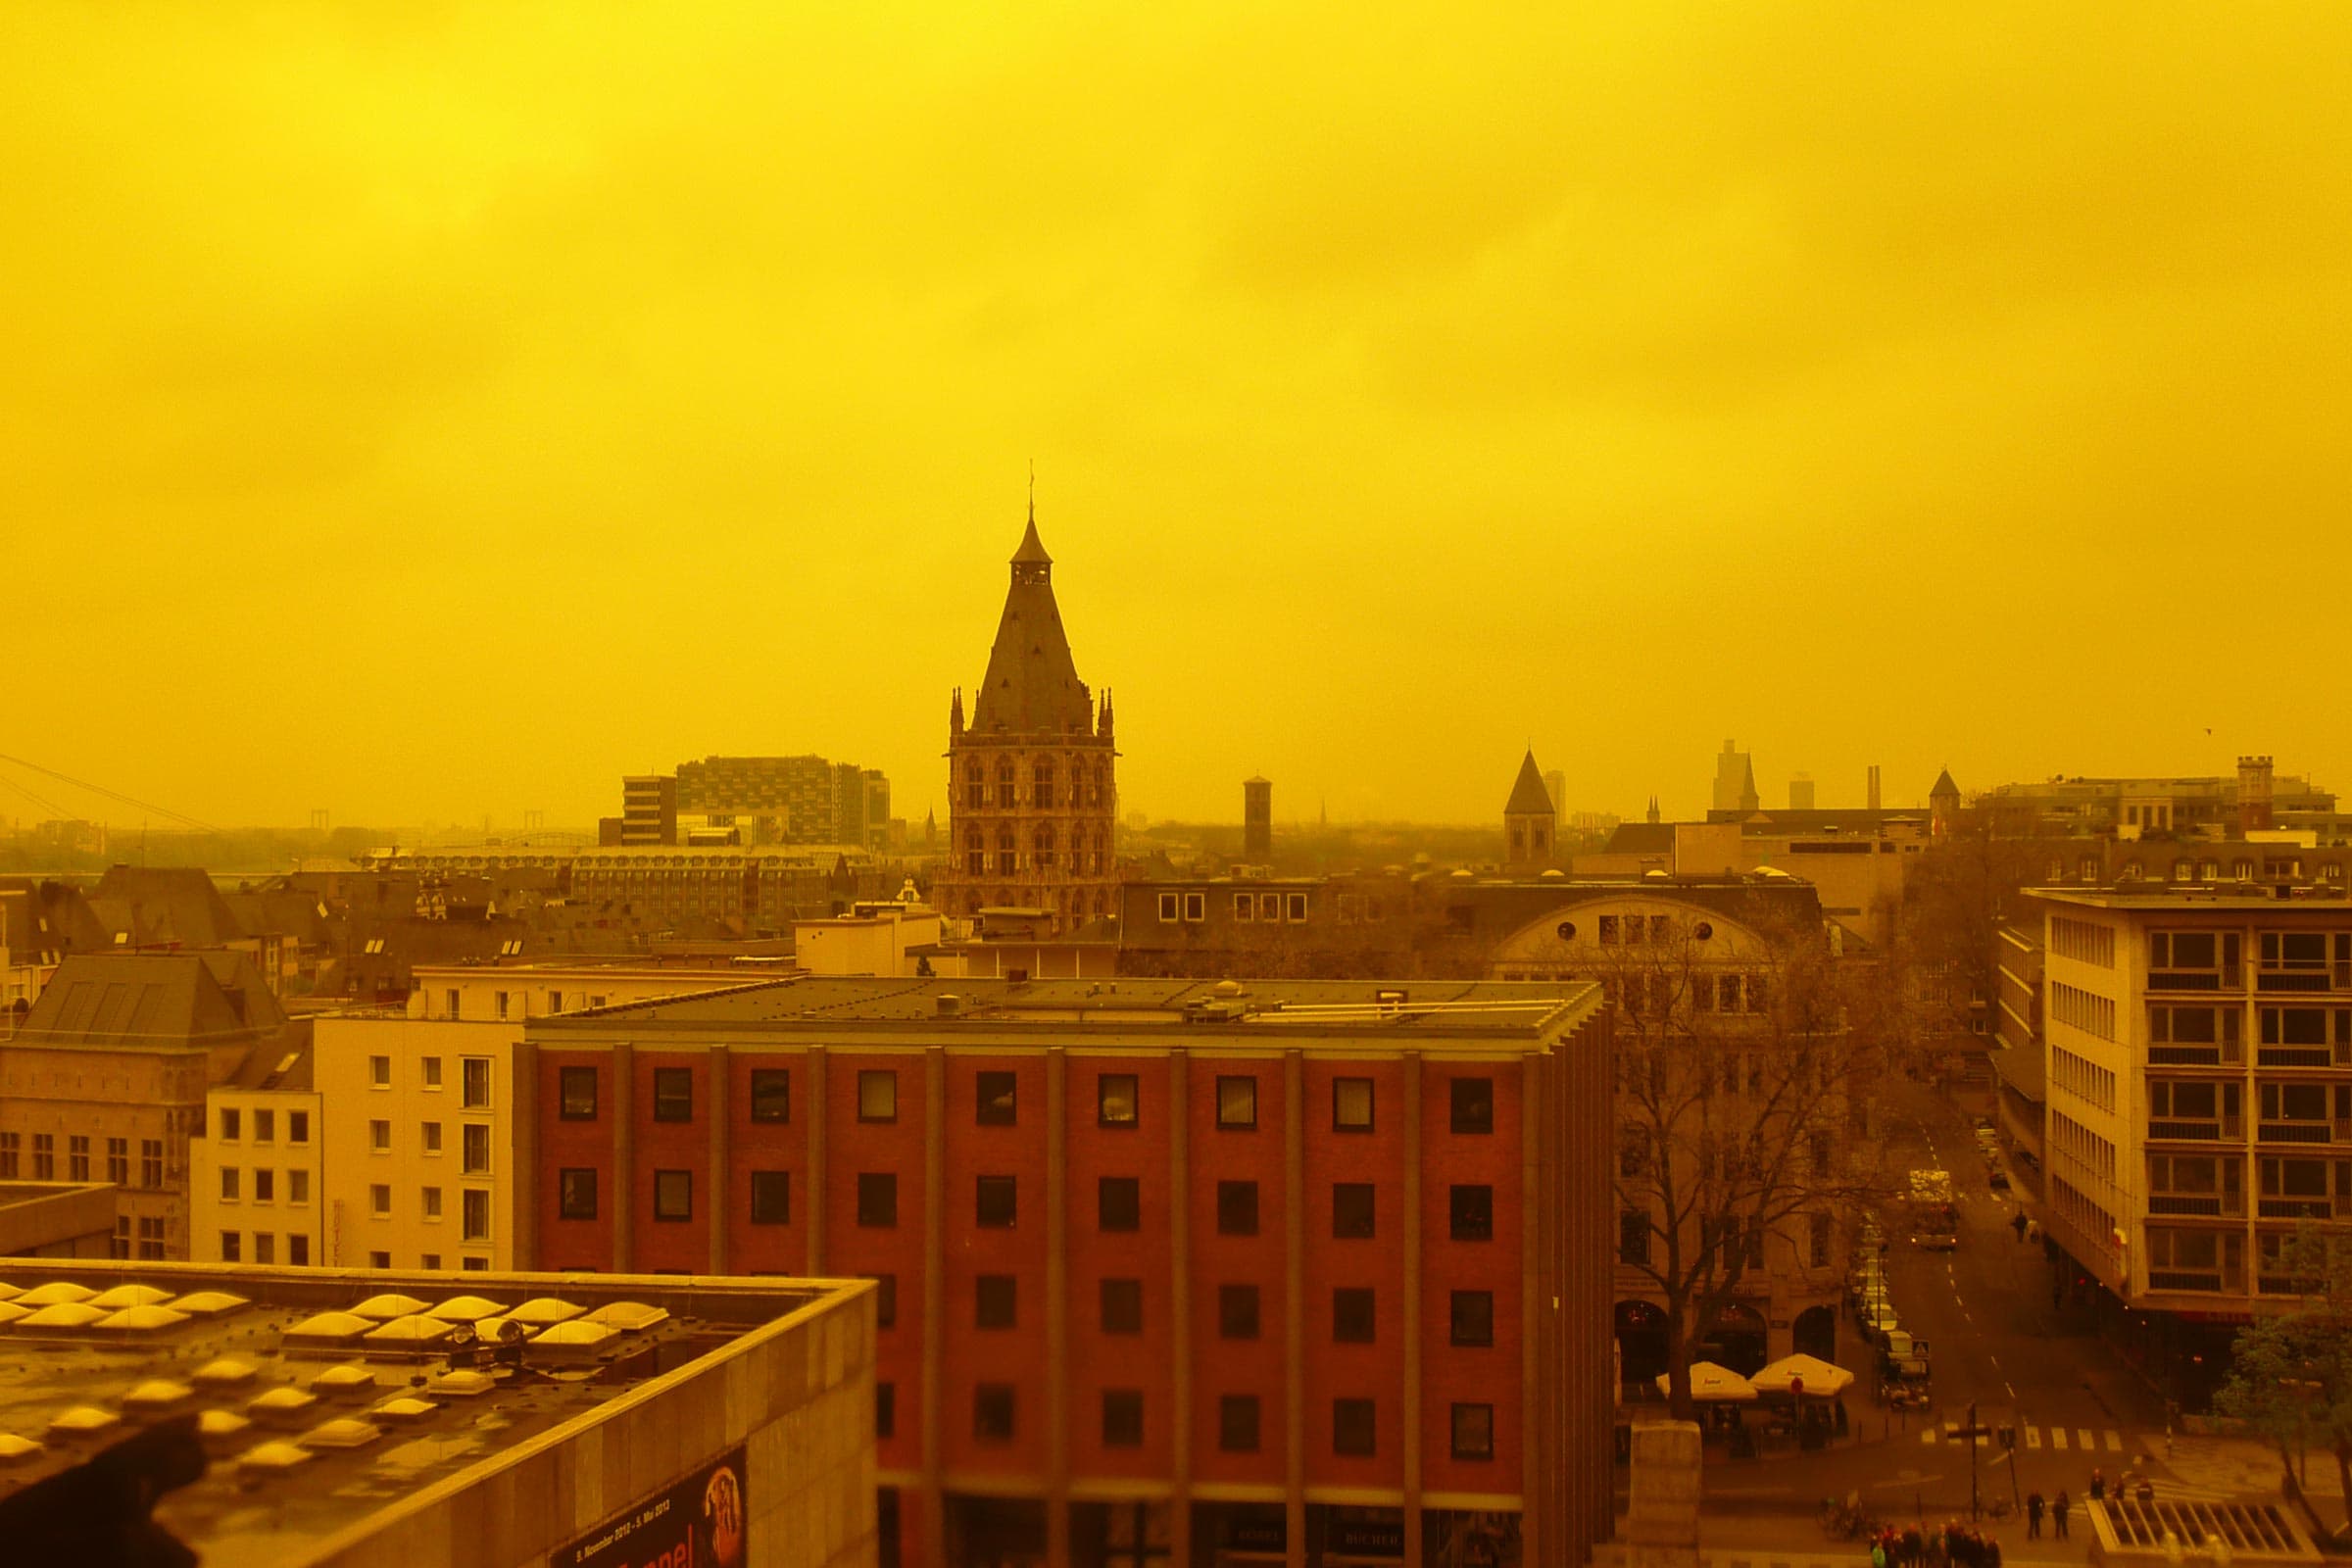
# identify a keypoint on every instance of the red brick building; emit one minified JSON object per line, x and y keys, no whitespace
{"x":1306,"y":1272}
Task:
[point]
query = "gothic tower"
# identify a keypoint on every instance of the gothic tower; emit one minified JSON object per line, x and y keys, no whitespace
{"x":1032,"y":795}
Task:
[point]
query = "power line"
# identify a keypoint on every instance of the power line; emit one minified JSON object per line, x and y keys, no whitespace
{"x":112,"y":795}
{"x":44,"y":803}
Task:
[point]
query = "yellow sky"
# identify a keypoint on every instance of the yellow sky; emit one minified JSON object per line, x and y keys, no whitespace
{"x":429,"y":410}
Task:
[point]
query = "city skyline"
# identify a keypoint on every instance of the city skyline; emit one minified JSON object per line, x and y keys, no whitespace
{"x":1614,"y":383}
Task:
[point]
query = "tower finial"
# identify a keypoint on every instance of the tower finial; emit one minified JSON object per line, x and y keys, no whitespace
{"x":1033,"y":490}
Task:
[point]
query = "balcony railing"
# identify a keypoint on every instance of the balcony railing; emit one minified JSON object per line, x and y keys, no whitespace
{"x":2166,"y":1279}
{"x":2205,"y":1129}
{"x":2197,"y":1203}
{"x":2194,"y":980}
{"x":2295,"y":1132}
{"x":2185,"y":1055}
{"x":2296,"y":1208}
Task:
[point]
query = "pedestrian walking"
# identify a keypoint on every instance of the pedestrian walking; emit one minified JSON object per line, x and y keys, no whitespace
{"x":2098,"y":1484}
{"x":2033,"y":1516}
{"x":2018,"y":1224}
{"x":2058,"y":1515}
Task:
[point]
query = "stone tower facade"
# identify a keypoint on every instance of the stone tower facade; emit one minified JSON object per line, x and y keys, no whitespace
{"x":1032,"y":783}
{"x":1531,"y":820}
{"x":1258,"y":820}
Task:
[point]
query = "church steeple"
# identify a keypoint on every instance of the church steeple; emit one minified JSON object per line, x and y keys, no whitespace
{"x":1032,"y":685}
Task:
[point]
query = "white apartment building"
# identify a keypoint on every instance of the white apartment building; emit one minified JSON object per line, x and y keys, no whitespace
{"x":2199,"y":1064}
{"x":254,"y":1188}
{"x":422,"y":1110}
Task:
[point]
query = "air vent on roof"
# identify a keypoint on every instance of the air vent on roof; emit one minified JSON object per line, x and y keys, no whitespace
{"x":949,"y":1005}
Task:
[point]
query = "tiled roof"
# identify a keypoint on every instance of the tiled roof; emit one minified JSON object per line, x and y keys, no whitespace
{"x":1529,"y":797}
{"x":1031,"y":684}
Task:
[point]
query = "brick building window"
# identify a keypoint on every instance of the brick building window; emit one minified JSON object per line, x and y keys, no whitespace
{"x":1352,"y":1428}
{"x":474,"y":1083}
{"x":230,"y":1242}
{"x":1122,"y":1306}
{"x":298,"y":1250}
{"x":1473,"y":1104}
{"x":991,"y":1412}
{"x":118,"y":1163}
{"x":878,"y":1095}
{"x":1473,"y":1318}
{"x":575,"y":1188}
{"x":473,"y":1147}
{"x":886,"y":1409}
{"x":473,"y":1211}
{"x":673,"y":1195}
{"x":1118,"y":1204}
{"x":1237,"y":1423}
{"x":1352,"y":1210}
{"x":771,"y":1197}
{"x":1237,"y":1312}
{"x":1116,"y":1103}
{"x":673,"y":1094}
{"x":78,"y":1158}
{"x":886,"y":1299}
{"x":151,"y":1236}
{"x":1352,"y":1105}
{"x":1470,"y":1211}
{"x":994,"y":1298}
{"x":1351,"y":1315}
{"x":1122,"y":1418}
{"x":771,"y":1094}
{"x":575,"y":1093}
{"x":877,"y":1199}
{"x":1237,"y":1209}
{"x":996,"y":1201}
{"x":1237,"y":1103}
{"x":995,"y":1104}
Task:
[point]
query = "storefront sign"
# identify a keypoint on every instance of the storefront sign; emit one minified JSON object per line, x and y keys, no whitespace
{"x":697,"y":1522}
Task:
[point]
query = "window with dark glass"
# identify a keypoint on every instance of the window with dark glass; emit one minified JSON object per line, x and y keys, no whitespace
{"x":886,"y":1409}
{"x":1118,"y":1203}
{"x":1352,"y":1428}
{"x":673,"y":1094}
{"x":886,"y":1299}
{"x":1352,"y":1105}
{"x":995,"y":1302}
{"x":994,"y":1201}
{"x":1473,"y":1104}
{"x":673,"y":1195}
{"x":1122,"y":1306}
{"x":771,"y":1197}
{"x":878,"y":1095}
{"x":1351,"y":1315}
{"x":1352,"y":1210}
{"x":577,"y":1193}
{"x":996,"y":1104}
{"x":771,"y":1094}
{"x":575,"y":1091}
{"x":1116,"y":1103}
{"x":1470,"y":1208}
{"x":991,"y":1412}
{"x":1237,"y":1312}
{"x":1122,"y":1418}
{"x":877,"y":1199}
{"x":1473,"y":1317}
{"x":1237,"y":1423}
{"x":1237,"y":1209}
{"x":1474,"y":1432}
{"x":1237,"y":1102}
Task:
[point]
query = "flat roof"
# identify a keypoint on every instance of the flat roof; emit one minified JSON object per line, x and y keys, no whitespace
{"x":234,"y":1348}
{"x":2316,"y":902}
{"x":1123,"y":1006}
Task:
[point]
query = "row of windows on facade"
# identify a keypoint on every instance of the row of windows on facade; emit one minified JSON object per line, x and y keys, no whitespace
{"x":1117,"y":1098}
{"x":2290,"y":1188}
{"x":43,"y":1164}
{"x":2313,"y":956}
{"x":474,"y":1073}
{"x":264,"y":1248}
{"x":996,"y":1203}
{"x":2186,"y":870}
{"x":1259,"y":907}
{"x":1088,"y":786}
{"x":150,"y":1236}
{"x":232,"y":1125}
{"x":474,"y":1207}
{"x":264,"y":1187}
{"x":474,"y":1142}
{"x":1240,"y":1424}
{"x":1470,"y":1314}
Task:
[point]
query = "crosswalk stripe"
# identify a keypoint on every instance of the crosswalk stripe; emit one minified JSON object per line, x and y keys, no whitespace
{"x":2115,"y":1441}
{"x":2085,"y":1443}
{"x":2033,"y":1437}
{"x":2057,"y":1437}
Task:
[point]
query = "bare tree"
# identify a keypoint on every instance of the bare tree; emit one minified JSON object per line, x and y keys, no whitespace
{"x":1741,"y":1076}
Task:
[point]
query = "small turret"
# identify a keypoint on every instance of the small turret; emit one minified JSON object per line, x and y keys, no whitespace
{"x":955,"y":713}
{"x":1103,"y":723}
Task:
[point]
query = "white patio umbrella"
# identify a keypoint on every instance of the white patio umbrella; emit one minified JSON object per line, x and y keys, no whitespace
{"x":1713,"y":1385}
{"x":1817,"y":1376}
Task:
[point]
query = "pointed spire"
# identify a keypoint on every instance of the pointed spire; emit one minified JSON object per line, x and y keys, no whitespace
{"x":1529,"y":797}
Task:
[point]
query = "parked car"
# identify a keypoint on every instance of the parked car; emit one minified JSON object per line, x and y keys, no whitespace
{"x":1997,"y":1179}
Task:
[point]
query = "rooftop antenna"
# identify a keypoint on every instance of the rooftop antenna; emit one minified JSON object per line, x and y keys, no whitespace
{"x":1033,"y":490}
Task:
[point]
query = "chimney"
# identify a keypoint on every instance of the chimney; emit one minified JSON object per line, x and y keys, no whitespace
{"x":1874,"y":786}
{"x":2254,"y":793}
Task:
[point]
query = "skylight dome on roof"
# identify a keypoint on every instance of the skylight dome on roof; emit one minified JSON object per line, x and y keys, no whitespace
{"x":417,"y":1330}
{"x":138,"y":1320}
{"x":390,"y":1305}
{"x":344,"y":1432}
{"x":122,"y":1296}
{"x":213,"y":1425}
{"x":545,"y":1309}
{"x":61,"y":1315}
{"x":408,"y":1408}
{"x":464,"y":1309}
{"x":464,"y":1385}
{"x":82,"y":1420}
{"x":10,"y":1311}
{"x":16,"y":1450}
{"x":157,"y":1393}
{"x":53,"y":1293}
{"x":224,"y":1372}
{"x":209,"y":1304}
{"x":282,"y":1405}
{"x":274,"y":1455}
{"x":342,"y":1381}
{"x":8,"y":1292}
{"x":629,"y":1316}
{"x":578,"y":1335}
{"x":330,"y":1326}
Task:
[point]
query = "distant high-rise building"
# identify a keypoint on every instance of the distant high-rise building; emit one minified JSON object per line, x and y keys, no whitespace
{"x":649,"y":808}
{"x":1874,"y":786}
{"x":1258,"y":820}
{"x":1031,"y":789}
{"x":1531,"y":819}
{"x":758,"y":800}
{"x":1555,"y":785}
{"x":1800,"y":793}
{"x":1735,"y":781}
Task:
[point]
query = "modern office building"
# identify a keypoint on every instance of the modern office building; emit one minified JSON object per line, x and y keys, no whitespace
{"x":254,"y":1188}
{"x":1257,"y":821}
{"x":1734,"y":786}
{"x":2199,"y":1094}
{"x":1276,"y":1271}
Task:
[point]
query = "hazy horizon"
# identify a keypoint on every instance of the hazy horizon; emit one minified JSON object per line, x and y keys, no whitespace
{"x":450,"y":410}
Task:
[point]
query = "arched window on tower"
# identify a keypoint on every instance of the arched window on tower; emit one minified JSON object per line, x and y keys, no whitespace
{"x":1005,"y":786}
{"x":1041,"y":777}
{"x":1009,"y":859}
{"x":975,"y":851}
{"x":1044,"y":859}
{"x":975,"y":785}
